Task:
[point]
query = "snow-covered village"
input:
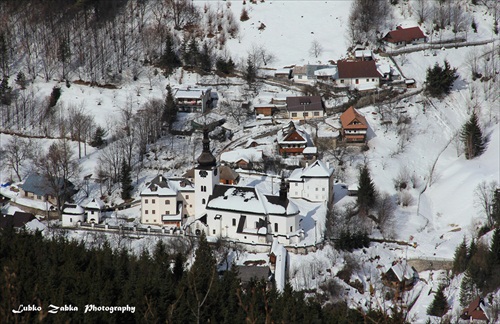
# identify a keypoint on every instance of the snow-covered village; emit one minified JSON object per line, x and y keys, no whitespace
{"x":250,"y":161}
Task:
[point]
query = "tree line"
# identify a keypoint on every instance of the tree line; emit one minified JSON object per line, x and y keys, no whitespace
{"x":159,"y":284}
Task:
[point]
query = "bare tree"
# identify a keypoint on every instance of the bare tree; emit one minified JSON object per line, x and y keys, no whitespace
{"x":422,"y":10}
{"x":316,"y":48}
{"x":18,"y":153}
{"x":182,"y":12}
{"x":259,"y":56}
{"x":385,"y":214}
{"x":484,"y":199}
{"x":234,"y":110}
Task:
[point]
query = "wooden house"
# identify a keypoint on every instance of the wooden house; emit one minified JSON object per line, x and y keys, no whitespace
{"x":476,"y":311}
{"x":291,"y":141}
{"x":400,"y":275}
{"x":354,"y":126}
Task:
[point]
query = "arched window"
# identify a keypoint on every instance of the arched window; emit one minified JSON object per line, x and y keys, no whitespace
{"x":203,"y":201}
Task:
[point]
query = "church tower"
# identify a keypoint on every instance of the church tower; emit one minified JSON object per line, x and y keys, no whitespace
{"x":206,"y":176}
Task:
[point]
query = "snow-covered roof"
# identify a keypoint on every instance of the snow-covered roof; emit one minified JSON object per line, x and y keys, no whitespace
{"x":317,"y":169}
{"x":286,"y":135}
{"x":327,"y":72}
{"x":180,"y":184}
{"x":191,"y":93}
{"x":95,"y":203}
{"x":249,"y":200}
{"x":73,"y":209}
{"x":280,"y":268}
{"x":247,"y":155}
{"x":158,"y":187}
{"x":363,"y":53}
{"x":384,"y":68}
{"x":402,"y":271}
{"x":282,"y":71}
{"x":310,"y":150}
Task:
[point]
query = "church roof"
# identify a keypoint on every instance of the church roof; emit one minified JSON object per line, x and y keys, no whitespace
{"x":206,"y":158}
{"x":249,"y":200}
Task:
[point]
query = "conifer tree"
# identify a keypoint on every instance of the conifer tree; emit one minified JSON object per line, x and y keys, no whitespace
{"x":472,"y":138}
{"x":170,"y":108}
{"x":191,"y":53}
{"x":170,"y":60}
{"x":468,"y":290}
{"x":367,"y":194}
{"x":460,"y":259}
{"x":5,"y":92}
{"x":21,"y":80}
{"x":206,"y":58}
{"x":126,"y":181}
{"x":98,"y":137}
{"x":495,"y":208}
{"x":439,"y":305}
{"x":439,"y":80}
{"x":494,"y":252}
{"x":250,"y":73}
{"x":224,"y":66}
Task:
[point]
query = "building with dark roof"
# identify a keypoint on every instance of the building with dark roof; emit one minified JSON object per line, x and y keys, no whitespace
{"x":354,"y":126}
{"x":361,"y":75}
{"x":18,"y":220}
{"x":38,"y":187}
{"x":404,"y":36}
{"x":305,"y":107}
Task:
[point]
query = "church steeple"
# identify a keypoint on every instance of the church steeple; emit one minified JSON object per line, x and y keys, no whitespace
{"x":283,"y":189}
{"x":206,"y":158}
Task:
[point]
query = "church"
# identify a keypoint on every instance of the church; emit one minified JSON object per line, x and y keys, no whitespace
{"x":239,"y":213}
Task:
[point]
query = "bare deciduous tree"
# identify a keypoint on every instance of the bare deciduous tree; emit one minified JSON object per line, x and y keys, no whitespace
{"x":385,"y":215}
{"x":316,"y":48}
{"x":18,"y":153}
{"x":484,"y":199}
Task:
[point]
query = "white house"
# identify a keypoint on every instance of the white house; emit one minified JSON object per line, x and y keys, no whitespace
{"x":314,"y":182}
{"x":404,"y":36}
{"x":72,"y":214}
{"x":193,"y":99}
{"x":361,"y":75}
{"x":93,"y":210}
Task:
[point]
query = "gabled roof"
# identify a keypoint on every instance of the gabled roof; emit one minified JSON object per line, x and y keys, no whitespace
{"x":291,"y":135}
{"x":304,"y":103}
{"x":226,"y":173}
{"x":352,"y":119}
{"x":158,"y":187}
{"x":317,"y":169}
{"x":191,"y":93}
{"x":475,"y":310}
{"x":404,"y":35}
{"x":247,"y":155}
{"x":357,"y":69}
{"x":402,"y":271}
{"x":19,"y":219}
{"x":95,"y":203}
{"x":249,"y":200}
{"x":39,"y":185}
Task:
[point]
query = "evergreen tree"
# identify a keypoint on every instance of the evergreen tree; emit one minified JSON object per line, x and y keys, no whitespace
{"x":21,"y":80}
{"x":169,"y":109}
{"x":439,"y":305}
{"x":495,"y":207}
{"x":170,"y":60}
{"x":64,"y":54}
{"x":439,"y":80}
{"x":191,"y":53}
{"x":98,"y":137}
{"x":468,"y":290}
{"x":224,"y":66}
{"x":206,"y":58}
{"x":367,"y":194}
{"x":178,"y":270}
{"x":251,"y":72}
{"x":126,"y":181}
{"x":460,"y":259}
{"x":54,"y":96}
{"x":472,"y":137}
{"x":5,"y":92}
{"x":494,"y":252}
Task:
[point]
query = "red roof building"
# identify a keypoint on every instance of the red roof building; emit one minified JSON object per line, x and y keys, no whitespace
{"x":475,"y":312}
{"x":362,"y":75}
{"x":404,"y":36}
{"x":354,"y":126}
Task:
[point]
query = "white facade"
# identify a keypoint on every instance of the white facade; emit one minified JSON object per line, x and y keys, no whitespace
{"x":205,"y":179}
{"x":314,"y":182}
{"x":359,"y":83}
{"x":72,"y":214}
{"x":93,"y":210}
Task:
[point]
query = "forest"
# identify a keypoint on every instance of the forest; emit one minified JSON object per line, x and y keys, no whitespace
{"x":39,"y":271}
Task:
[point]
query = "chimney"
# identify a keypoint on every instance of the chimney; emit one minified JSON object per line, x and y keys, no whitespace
{"x":328,"y":165}
{"x":283,"y":189}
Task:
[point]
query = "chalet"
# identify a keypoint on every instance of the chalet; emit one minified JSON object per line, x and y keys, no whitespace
{"x":193,"y":99}
{"x":38,"y":187}
{"x":94,"y":210}
{"x":404,"y":36}
{"x":400,"y":275}
{"x":476,"y":312}
{"x":72,"y":214}
{"x":313,"y":183}
{"x":291,"y":141}
{"x":354,"y":126}
{"x":360,"y":75}
{"x":305,"y":107}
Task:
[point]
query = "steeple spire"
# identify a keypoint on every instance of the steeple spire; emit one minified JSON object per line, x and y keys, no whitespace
{"x":206,"y":158}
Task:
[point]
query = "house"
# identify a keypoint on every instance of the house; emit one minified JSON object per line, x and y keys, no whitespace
{"x":476,"y":312}
{"x":167,"y":201}
{"x":247,"y":159}
{"x":404,"y":36}
{"x":360,"y":75}
{"x":38,"y":187}
{"x":313,"y":183}
{"x":305,"y":107}
{"x":305,"y":74}
{"x":363,"y":55}
{"x":72,"y":214}
{"x":400,"y":275}
{"x":18,"y":220}
{"x":326,"y":75}
{"x":193,"y":99}
{"x":265,"y":110}
{"x":354,"y":126}
{"x":291,"y":141}
{"x":94,"y":209}
{"x":285,"y":74}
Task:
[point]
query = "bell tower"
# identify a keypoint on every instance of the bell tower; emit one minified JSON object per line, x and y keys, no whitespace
{"x":206,"y":175}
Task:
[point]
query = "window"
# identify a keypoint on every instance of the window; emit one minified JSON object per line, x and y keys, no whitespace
{"x":317,"y":189}
{"x":323,"y":189}
{"x":187,"y":196}
{"x":92,"y":212}
{"x":145,"y":201}
{"x":146,"y":212}
{"x":234,"y":221}
{"x":152,"y":201}
{"x":291,"y":228}
{"x":38,"y":197}
{"x":316,"y":113}
{"x":167,"y":202}
{"x":373,"y":80}
{"x":213,"y":232}
{"x":203,"y":201}
{"x":71,"y":220}
{"x":25,"y":194}
{"x":342,"y":81}
{"x":276,"y":227}
{"x":300,"y":76}
{"x":294,"y":114}
{"x":357,"y":81}
{"x":191,"y":206}
{"x":305,"y":114}
{"x":296,"y":184}
{"x":153,"y":212}
{"x":367,"y":80}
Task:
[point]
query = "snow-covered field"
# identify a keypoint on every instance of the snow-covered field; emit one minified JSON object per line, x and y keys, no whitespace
{"x":443,"y":209}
